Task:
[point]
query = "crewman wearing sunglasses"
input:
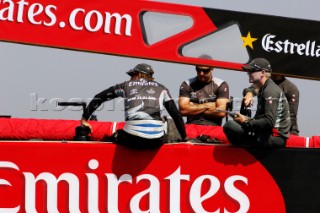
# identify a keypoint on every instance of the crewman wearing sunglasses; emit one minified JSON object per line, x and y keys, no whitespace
{"x":271,"y":124}
{"x":201,"y":95}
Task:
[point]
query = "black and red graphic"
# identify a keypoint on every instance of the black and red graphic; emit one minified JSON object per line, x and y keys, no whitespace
{"x":122,"y":28}
{"x":292,"y":45}
{"x":211,"y":178}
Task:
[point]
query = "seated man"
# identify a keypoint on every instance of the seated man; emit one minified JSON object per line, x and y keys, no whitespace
{"x":201,"y":95}
{"x":144,"y":101}
{"x":291,"y":92}
{"x":271,"y":124}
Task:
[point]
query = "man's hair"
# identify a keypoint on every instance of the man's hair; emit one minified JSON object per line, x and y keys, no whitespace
{"x":268,"y":74}
{"x":144,"y":75}
{"x":147,"y":76}
{"x":205,"y":56}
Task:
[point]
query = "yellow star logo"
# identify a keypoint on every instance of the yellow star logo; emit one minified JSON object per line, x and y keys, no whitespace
{"x":248,"y":40}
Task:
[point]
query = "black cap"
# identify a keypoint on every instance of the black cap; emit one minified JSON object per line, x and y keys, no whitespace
{"x":144,"y":68}
{"x":258,"y":64}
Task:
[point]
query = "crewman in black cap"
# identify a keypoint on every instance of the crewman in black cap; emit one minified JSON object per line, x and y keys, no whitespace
{"x":270,"y":126}
{"x":144,"y":99}
{"x":291,"y":92}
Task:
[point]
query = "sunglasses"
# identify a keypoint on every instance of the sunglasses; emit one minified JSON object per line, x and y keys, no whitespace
{"x":254,"y":70}
{"x":203,"y":70}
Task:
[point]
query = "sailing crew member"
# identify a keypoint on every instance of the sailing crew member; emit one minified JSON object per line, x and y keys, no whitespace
{"x":201,"y":95}
{"x":270,"y":126}
{"x":144,"y":101}
{"x":291,"y":92}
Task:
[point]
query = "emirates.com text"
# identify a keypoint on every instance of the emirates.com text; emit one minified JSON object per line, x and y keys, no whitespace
{"x":79,"y":19}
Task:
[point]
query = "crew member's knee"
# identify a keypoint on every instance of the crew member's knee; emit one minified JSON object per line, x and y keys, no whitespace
{"x":233,"y":131}
{"x":230,"y":127}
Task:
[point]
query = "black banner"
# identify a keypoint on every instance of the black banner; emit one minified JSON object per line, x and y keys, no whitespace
{"x":291,"y":45}
{"x":297,"y":173}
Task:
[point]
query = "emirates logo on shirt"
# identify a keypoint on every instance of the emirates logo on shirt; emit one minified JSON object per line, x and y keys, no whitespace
{"x":133,"y":91}
{"x":151,"y":91}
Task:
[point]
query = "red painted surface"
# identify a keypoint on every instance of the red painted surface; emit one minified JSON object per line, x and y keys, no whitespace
{"x":185,"y":177}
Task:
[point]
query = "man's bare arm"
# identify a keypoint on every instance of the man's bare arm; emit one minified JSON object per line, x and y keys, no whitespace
{"x":221,"y":103}
{"x":188,"y":108}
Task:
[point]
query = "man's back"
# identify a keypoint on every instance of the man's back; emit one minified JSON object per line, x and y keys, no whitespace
{"x":143,"y":99}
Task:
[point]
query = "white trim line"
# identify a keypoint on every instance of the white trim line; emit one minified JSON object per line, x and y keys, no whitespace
{"x":307,"y":142}
{"x":114,"y":127}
